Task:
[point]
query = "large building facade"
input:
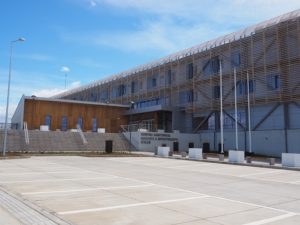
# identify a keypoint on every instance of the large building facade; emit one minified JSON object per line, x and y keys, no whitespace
{"x":182,"y":91}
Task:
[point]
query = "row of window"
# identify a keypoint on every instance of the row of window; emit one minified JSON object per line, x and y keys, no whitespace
{"x":148,"y":103}
{"x":273,"y":83}
{"x":64,"y":123}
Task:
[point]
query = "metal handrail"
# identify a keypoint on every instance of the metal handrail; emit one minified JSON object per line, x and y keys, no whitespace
{"x":84,"y":141}
{"x":26,"y":134}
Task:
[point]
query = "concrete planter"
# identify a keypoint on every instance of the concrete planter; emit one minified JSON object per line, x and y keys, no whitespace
{"x":236,"y":156}
{"x":195,"y":153}
{"x":290,"y":159}
{"x":221,"y":157}
{"x":44,"y":128}
{"x":163,"y":151}
{"x":101,"y":130}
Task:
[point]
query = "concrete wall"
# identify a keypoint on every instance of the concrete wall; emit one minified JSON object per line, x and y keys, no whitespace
{"x":267,"y":142}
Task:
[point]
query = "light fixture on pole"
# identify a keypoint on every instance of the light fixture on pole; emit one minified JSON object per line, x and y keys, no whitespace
{"x":65,"y":70}
{"x":8,"y":93}
{"x":221,"y":109}
{"x":130,"y":124}
{"x":249,"y":114}
{"x":235,"y":112}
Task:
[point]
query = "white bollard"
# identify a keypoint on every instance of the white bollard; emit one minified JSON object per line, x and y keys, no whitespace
{"x":163,"y":151}
{"x":236,"y":156}
{"x":290,"y":159}
{"x":195,"y":153}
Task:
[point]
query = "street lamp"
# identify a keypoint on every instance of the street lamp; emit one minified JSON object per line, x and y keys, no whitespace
{"x":8,"y":93}
{"x":130,"y":124}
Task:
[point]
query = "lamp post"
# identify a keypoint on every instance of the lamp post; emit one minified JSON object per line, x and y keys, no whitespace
{"x":130,"y":124}
{"x":8,"y":93}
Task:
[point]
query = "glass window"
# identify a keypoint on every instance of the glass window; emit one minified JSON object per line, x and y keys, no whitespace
{"x":94,"y":125}
{"x":236,"y":59}
{"x":273,"y":82}
{"x":216,"y":92}
{"x":64,"y":123}
{"x":80,"y":122}
{"x":48,"y":121}
{"x":190,"y":71}
{"x":168,"y":78}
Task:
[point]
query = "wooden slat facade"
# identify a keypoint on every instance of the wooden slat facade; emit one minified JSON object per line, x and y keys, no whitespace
{"x":107,"y":116}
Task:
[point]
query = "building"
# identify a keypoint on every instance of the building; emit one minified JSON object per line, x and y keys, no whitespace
{"x":182,"y":91}
{"x":63,"y":115}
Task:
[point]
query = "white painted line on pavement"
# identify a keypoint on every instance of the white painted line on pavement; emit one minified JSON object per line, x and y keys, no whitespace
{"x":273,"y":219}
{"x":55,"y":180}
{"x":260,"y":173}
{"x":128,"y":205}
{"x":87,"y":189}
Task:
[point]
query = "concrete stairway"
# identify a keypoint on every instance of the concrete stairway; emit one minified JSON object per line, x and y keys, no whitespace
{"x":58,"y":141}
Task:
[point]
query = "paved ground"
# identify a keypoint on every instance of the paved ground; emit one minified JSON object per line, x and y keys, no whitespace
{"x":154,"y":191}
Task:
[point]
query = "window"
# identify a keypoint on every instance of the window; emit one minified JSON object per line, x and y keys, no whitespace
{"x":48,"y":121}
{"x":190,"y":71}
{"x":168,"y":78}
{"x":242,"y":87}
{"x":121,"y":90}
{"x":94,"y":125}
{"x":104,"y":95}
{"x":64,"y":123}
{"x":236,"y":59}
{"x":152,"y":81}
{"x":211,"y":122}
{"x":216,"y":92}
{"x":93,"y":97}
{"x":133,"y":87}
{"x":80,"y":122}
{"x":190,"y":96}
{"x":215,"y":64}
{"x":274,"y":82}
{"x":211,"y":66}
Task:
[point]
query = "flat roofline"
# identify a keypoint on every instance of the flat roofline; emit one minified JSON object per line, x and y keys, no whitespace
{"x":225,"y":39}
{"x":74,"y":101}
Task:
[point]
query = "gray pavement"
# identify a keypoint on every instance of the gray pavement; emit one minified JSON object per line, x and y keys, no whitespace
{"x":147,"y":190}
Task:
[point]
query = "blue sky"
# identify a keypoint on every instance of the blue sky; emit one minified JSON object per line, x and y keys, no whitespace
{"x":97,"y":38}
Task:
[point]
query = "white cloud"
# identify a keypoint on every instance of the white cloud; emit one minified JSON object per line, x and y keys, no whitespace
{"x":11,"y":110}
{"x":35,"y":57}
{"x":93,"y":4}
{"x":48,"y":92}
{"x":167,"y":26}
{"x":65,"y":69}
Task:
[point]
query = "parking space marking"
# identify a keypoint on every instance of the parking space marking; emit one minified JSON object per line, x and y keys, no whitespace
{"x":260,"y":173}
{"x":215,"y":172}
{"x":128,"y":205}
{"x":87,"y":189}
{"x":55,"y":180}
{"x":212,"y":196}
{"x":32,"y":173}
{"x":272,"y":219}
{"x":202,"y":164}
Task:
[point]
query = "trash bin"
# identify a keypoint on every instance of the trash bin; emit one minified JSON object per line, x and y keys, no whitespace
{"x":108,"y":146}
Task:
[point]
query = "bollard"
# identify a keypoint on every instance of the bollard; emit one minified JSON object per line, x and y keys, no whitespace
{"x":183,"y":154}
{"x":221,"y":157}
{"x":249,"y":159}
{"x":272,"y":161}
{"x":204,"y":156}
{"x":170,"y":153}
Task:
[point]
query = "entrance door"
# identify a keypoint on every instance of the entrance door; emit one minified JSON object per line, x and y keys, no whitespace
{"x":175,"y":146}
{"x":206,"y":147}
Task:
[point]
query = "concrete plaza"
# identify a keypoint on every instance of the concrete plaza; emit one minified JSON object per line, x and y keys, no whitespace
{"x":144,"y":190}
